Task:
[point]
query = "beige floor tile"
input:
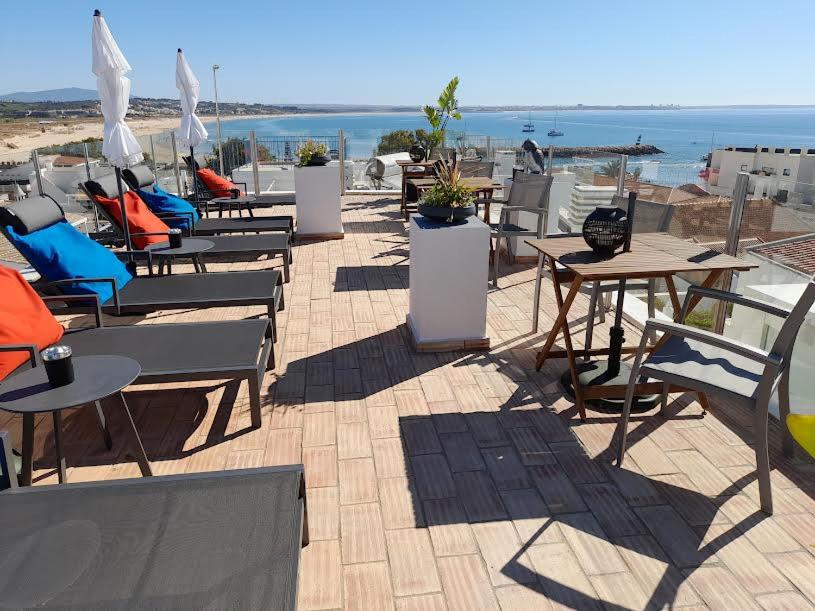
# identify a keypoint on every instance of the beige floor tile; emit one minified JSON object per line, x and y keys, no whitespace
{"x":413,"y":567}
{"x":362,"y":535}
{"x":320,"y":558}
{"x":357,"y":481}
{"x":367,"y":586}
{"x":466,"y":583}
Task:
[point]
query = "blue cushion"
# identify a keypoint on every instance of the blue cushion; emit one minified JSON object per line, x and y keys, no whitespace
{"x":162,"y":202}
{"x":60,"y":251}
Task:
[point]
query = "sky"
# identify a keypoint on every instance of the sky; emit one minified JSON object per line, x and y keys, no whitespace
{"x":685,"y":52}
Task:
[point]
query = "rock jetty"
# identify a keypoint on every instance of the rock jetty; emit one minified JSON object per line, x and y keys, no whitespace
{"x":633,"y":150}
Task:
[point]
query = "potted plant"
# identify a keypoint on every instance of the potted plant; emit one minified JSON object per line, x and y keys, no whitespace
{"x":438,"y":117}
{"x":448,"y":200}
{"x":312,"y":153}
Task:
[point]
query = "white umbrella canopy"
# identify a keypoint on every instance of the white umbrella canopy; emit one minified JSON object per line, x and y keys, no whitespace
{"x":191,"y":132}
{"x":119,"y":146}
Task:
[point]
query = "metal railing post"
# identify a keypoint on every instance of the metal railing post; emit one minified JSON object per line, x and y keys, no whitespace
{"x":341,"y":152}
{"x":35,"y":158}
{"x":731,"y":245}
{"x":489,"y":148}
{"x":175,"y":165}
{"x":253,"y":147}
{"x":88,"y":176}
{"x":551,"y":159}
{"x":153,"y":155}
{"x":621,"y":177}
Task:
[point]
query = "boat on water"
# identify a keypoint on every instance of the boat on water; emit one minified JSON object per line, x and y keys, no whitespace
{"x":554,"y":132}
{"x":528,"y":127}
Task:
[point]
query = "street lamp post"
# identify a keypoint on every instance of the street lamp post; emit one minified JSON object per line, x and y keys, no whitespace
{"x":218,"y":119}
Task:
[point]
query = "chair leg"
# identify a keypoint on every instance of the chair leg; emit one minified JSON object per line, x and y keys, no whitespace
{"x":783,"y":412}
{"x":652,"y":310}
{"x":622,"y":427}
{"x":595,"y":294}
{"x":496,"y":258}
{"x":763,"y":458}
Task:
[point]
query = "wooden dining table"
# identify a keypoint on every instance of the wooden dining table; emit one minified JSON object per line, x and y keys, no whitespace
{"x":652,"y":256}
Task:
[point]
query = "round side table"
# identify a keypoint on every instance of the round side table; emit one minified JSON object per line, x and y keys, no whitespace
{"x":237,"y":202}
{"x":95,"y":378}
{"x":190,"y":248}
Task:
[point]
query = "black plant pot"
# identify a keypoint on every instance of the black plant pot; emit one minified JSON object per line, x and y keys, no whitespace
{"x":605,"y":230}
{"x":438,"y":213}
{"x":416,"y":153}
{"x":319,"y":160}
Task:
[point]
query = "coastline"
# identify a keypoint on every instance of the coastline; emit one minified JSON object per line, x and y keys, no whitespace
{"x":17,"y":146}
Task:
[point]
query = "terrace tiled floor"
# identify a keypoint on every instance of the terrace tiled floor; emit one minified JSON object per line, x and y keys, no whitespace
{"x":465,"y":481}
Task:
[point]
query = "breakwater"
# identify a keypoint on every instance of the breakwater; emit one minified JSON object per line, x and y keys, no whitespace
{"x":633,"y":150}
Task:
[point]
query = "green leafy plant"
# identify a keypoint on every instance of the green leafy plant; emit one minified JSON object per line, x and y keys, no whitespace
{"x":448,"y":192}
{"x":396,"y":142}
{"x":309,"y":150}
{"x":439,"y":116}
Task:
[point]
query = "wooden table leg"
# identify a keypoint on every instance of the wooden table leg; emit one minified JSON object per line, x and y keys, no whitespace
{"x":563,"y":311}
{"x":135,"y":440}
{"x":58,"y":446}
{"x":28,"y":449}
{"x":567,"y":340}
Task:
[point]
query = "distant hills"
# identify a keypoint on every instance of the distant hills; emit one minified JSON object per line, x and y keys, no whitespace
{"x":67,"y":94}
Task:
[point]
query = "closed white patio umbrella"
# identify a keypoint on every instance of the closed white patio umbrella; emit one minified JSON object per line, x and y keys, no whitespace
{"x":191,"y":132}
{"x":119,"y":146}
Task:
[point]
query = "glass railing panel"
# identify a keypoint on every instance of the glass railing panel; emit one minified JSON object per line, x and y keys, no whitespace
{"x":777,"y":237}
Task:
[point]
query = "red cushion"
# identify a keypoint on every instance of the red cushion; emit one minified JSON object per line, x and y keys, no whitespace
{"x":140,"y":219}
{"x":24,"y":319}
{"x":218,"y":185}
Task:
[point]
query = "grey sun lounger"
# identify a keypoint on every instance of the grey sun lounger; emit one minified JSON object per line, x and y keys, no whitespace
{"x":141,"y":294}
{"x":223,"y":540}
{"x":140,"y":177}
{"x":184,"y":352}
{"x":271,"y":244}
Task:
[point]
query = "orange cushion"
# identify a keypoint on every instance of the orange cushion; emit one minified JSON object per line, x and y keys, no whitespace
{"x":140,"y":219}
{"x":24,"y":319}
{"x":218,"y":185}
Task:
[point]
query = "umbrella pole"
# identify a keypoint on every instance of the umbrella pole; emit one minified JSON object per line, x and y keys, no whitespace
{"x":125,"y":227}
{"x":194,"y":176}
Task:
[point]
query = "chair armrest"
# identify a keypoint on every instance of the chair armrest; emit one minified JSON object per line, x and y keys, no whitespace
{"x":735,"y":298}
{"x":712,"y":339}
{"x":30,"y":348}
{"x":78,"y":298}
{"x":525,"y":209}
{"x":111,"y":281}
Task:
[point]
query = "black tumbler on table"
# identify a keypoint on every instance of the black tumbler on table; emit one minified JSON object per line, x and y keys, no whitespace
{"x":58,"y":365}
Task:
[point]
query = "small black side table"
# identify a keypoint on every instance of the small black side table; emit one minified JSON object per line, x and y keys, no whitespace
{"x":244,"y":201}
{"x":190,"y":247}
{"x":95,"y":378}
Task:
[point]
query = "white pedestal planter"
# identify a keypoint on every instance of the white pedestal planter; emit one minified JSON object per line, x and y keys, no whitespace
{"x":317,"y":195}
{"x":449,"y":267}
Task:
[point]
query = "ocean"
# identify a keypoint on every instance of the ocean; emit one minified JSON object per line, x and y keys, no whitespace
{"x":686,"y":135}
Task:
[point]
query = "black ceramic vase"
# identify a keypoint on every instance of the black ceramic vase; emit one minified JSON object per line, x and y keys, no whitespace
{"x":438,"y":213}
{"x":416,"y":153}
{"x":605,"y":230}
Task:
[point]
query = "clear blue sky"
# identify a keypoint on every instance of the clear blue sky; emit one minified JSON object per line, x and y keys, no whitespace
{"x":383,"y":52}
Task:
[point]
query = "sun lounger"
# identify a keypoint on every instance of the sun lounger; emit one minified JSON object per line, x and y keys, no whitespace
{"x":271,"y":244}
{"x":71,"y":262}
{"x":214,"y":226}
{"x":226,"y":540}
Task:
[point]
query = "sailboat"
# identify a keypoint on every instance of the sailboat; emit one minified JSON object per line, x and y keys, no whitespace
{"x":554,"y":131}
{"x":529,"y":126}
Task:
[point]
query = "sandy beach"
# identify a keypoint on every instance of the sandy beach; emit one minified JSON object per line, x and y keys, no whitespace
{"x":19,"y":138}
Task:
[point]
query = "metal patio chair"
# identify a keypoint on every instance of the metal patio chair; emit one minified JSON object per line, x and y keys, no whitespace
{"x":476,"y":169}
{"x":530,"y":193}
{"x":702,"y":361}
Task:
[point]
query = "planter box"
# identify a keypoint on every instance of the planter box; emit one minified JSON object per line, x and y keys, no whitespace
{"x":317,"y":195}
{"x":449,"y":267}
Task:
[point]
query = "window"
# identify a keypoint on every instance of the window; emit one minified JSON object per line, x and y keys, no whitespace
{"x":786,"y":172}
